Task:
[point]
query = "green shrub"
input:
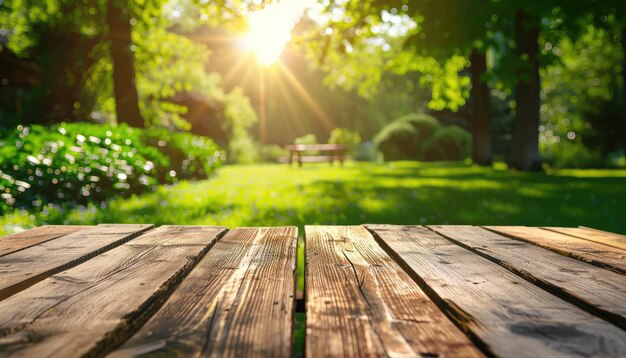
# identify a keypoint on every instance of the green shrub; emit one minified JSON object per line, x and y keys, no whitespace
{"x":424,"y":124}
{"x":77,"y":163}
{"x":447,"y":143}
{"x":421,"y":137}
{"x":242,"y":150}
{"x":574,"y":154}
{"x":617,"y":160}
{"x":346,"y":137}
{"x":404,"y":138}
{"x":307,"y":139}
{"x":271,"y":152}
{"x":398,"y":141}
{"x":189,"y":156}
{"x":367,"y":152}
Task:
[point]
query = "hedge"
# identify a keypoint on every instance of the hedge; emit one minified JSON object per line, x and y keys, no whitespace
{"x":76,"y":163}
{"x":422,"y":137}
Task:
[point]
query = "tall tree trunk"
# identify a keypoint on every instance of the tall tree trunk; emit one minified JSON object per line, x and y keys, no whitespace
{"x":623,"y":126}
{"x":481,"y":110}
{"x":525,"y":145}
{"x":65,"y":58}
{"x":126,"y":98}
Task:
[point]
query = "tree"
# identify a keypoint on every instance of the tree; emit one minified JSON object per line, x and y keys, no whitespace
{"x":58,"y":36}
{"x":445,"y":33}
{"x":64,"y":34}
{"x":449,"y":27}
{"x":481,"y":109}
{"x":525,"y":146}
{"x":119,"y":33}
{"x":85,"y":51}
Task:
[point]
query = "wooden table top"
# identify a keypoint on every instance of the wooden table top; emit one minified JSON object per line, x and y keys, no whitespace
{"x":372,"y":290}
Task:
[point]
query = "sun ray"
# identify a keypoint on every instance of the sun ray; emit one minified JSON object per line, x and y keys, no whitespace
{"x":232,"y":71}
{"x":304,"y":94}
{"x":292,"y":110}
{"x":262,"y":107}
{"x":270,"y":29}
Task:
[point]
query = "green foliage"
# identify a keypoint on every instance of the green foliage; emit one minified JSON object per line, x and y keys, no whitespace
{"x":581,"y":114}
{"x":448,"y":86}
{"x":398,"y":141}
{"x":306,"y":139}
{"x":168,"y":64}
{"x":240,"y":116}
{"x":242,"y":150}
{"x":573,"y":154}
{"x":451,"y":143}
{"x":77,"y":163}
{"x":617,"y":160}
{"x":188,"y":156}
{"x":376,"y":39}
{"x":270,"y":153}
{"x":425,"y":124}
{"x":345,"y":136}
{"x":367,"y":152}
{"x":421,"y":137}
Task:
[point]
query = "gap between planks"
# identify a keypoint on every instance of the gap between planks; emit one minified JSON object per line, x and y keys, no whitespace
{"x":505,"y":315}
{"x":56,"y":317}
{"x":238,"y":301}
{"x":359,"y":302}
{"x":599,"y":236}
{"x":600,"y":255}
{"x":31,"y":237}
{"x":24,"y":268}
{"x":598,"y":291}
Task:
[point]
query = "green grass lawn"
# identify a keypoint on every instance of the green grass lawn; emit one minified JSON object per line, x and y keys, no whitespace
{"x":399,"y":193}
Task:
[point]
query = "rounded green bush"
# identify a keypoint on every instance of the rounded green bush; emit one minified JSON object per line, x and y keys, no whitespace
{"x":398,"y":141}
{"x":344,"y":136}
{"x":425,"y":125}
{"x":447,"y":143}
{"x":404,"y":138}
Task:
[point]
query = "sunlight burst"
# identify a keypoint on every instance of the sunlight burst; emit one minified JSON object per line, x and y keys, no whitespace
{"x":270,"y":29}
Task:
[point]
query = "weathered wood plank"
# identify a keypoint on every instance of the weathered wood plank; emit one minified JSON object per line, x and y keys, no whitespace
{"x":91,"y":308}
{"x":596,"y":254}
{"x":238,"y":301}
{"x":35,"y":236}
{"x":359,"y":302}
{"x":598,"y":291}
{"x":510,"y":316}
{"x":595,"y":235}
{"x":24,"y":268}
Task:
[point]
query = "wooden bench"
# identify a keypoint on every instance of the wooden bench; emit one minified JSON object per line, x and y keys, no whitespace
{"x":335,"y":152}
{"x":375,"y":290}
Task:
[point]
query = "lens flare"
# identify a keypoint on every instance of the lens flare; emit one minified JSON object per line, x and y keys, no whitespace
{"x":270,"y":29}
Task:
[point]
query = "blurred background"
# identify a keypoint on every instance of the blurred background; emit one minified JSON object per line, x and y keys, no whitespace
{"x":177,"y":111}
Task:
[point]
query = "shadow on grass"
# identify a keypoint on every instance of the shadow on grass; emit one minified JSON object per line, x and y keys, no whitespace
{"x":532,"y":200}
{"x":437,"y":194}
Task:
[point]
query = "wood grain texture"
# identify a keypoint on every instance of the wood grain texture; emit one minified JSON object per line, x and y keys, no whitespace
{"x":22,"y":240}
{"x":591,"y":252}
{"x":598,"y":291}
{"x":359,"y":302}
{"x":510,"y":316}
{"x":602,"y":237}
{"x":92,"y":307}
{"x":237,"y":302}
{"x":23,"y":268}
